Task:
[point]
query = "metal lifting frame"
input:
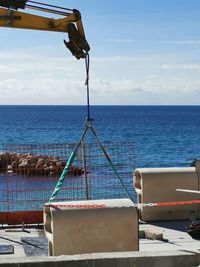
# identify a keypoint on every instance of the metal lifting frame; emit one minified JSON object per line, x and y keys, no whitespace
{"x":73,"y":156}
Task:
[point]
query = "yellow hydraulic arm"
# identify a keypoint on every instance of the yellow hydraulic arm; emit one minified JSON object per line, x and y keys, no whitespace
{"x":70,"y":22}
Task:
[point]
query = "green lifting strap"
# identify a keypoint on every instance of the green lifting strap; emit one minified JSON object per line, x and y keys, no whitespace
{"x":63,"y":175}
{"x":120,"y":180}
{"x":67,"y":168}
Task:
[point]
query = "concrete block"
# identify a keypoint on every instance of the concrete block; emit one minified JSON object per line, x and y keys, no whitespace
{"x":159,"y":185}
{"x":91,"y":226}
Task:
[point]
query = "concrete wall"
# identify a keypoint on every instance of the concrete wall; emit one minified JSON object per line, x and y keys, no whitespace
{"x":123,"y":259}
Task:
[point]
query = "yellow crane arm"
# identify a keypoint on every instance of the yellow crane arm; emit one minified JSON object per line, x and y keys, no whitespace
{"x":16,"y":19}
{"x":72,"y":24}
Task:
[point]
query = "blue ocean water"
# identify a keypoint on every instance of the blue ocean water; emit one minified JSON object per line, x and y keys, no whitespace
{"x":163,"y":135}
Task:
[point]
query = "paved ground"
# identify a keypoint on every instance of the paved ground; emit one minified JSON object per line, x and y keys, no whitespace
{"x":21,"y":239}
{"x":174,"y":232}
{"x":34,"y":242}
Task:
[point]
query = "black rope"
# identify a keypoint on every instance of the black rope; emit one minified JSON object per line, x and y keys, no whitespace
{"x":87,"y":66}
{"x":43,"y":4}
{"x":48,"y":10}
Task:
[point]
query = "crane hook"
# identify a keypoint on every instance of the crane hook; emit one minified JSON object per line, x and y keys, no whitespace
{"x":77,"y":44}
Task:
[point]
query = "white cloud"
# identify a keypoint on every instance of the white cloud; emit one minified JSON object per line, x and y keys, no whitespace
{"x":152,"y":76}
{"x":121,"y":41}
{"x":147,"y":86}
{"x":38,"y":91}
{"x":3,"y":68}
{"x":190,"y":42}
{"x":195,"y":67}
{"x":114,"y":59}
{"x":31,"y":79}
{"x":117,"y":87}
{"x":15,"y":56}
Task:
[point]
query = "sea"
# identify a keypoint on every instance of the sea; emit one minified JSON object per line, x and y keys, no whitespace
{"x":164,"y":136}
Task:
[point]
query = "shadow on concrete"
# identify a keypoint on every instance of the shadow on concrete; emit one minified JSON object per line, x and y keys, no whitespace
{"x":35,"y":246}
{"x":174,"y":225}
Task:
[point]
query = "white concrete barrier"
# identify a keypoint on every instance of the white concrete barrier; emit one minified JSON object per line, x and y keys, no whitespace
{"x":159,"y":185}
{"x":91,"y":226}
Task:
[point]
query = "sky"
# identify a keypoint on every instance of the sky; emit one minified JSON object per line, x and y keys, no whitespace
{"x":143,"y":52}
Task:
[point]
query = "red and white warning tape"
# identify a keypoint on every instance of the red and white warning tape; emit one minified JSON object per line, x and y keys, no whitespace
{"x":139,"y":205}
{"x":167,"y":204}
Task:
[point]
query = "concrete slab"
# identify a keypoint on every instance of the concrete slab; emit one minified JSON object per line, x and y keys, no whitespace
{"x":174,"y":232}
{"x":14,"y":238}
{"x":180,"y":250}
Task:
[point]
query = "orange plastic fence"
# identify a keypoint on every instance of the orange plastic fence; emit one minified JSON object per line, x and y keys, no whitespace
{"x":29,"y":173}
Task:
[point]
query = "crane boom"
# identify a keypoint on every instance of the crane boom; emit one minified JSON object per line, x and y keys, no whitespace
{"x":71,"y":23}
{"x":21,"y":20}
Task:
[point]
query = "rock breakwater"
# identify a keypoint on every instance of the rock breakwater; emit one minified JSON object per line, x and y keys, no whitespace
{"x":28,"y":164}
